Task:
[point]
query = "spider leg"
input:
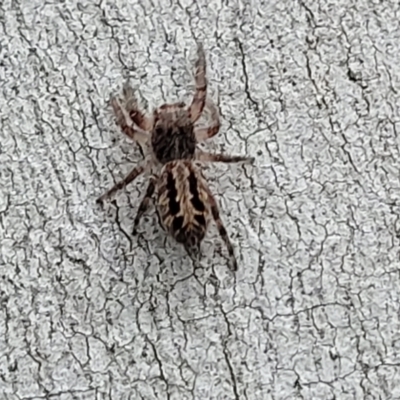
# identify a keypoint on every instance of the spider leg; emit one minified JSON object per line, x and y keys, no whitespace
{"x":204,"y":156}
{"x":144,"y":204}
{"x":140,"y":118}
{"x":222,"y":230}
{"x":199,"y":98}
{"x":127,"y":125}
{"x":203,"y":133}
{"x":128,"y":179}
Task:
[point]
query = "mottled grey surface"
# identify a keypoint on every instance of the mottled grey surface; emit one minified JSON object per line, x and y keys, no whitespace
{"x":90,"y":312}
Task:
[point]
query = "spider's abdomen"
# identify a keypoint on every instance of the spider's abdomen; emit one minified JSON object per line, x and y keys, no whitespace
{"x":173,"y":135}
{"x":183,"y":203}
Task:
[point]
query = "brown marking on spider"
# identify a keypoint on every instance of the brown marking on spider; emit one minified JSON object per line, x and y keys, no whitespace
{"x":185,"y":204}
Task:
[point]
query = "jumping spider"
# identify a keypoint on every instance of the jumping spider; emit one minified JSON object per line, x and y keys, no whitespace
{"x":185,"y":204}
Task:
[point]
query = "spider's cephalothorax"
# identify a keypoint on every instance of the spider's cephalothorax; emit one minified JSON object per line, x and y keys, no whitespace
{"x":173,"y":136}
{"x":185,"y":204}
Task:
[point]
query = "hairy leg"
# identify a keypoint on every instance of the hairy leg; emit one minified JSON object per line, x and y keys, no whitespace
{"x":199,"y":97}
{"x":142,"y":120}
{"x":144,"y":204}
{"x":127,"y":125}
{"x":204,"y":156}
{"x":121,"y":184}
{"x":222,"y":231}
{"x":204,"y":133}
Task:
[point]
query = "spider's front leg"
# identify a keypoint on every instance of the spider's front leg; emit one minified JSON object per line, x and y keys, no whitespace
{"x":127,"y":125}
{"x":140,"y":118}
{"x":204,"y":133}
{"x":199,"y":99}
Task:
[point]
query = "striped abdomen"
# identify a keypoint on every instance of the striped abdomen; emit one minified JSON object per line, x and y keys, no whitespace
{"x":182,"y":203}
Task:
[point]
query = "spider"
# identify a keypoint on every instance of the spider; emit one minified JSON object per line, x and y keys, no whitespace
{"x":184,"y":202}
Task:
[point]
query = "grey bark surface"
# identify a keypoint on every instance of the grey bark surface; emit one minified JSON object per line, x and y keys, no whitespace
{"x":88,"y":311}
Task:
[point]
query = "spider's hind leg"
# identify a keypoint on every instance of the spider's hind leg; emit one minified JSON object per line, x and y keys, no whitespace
{"x":144,"y":204}
{"x":124,"y":182}
{"x":222,"y":231}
